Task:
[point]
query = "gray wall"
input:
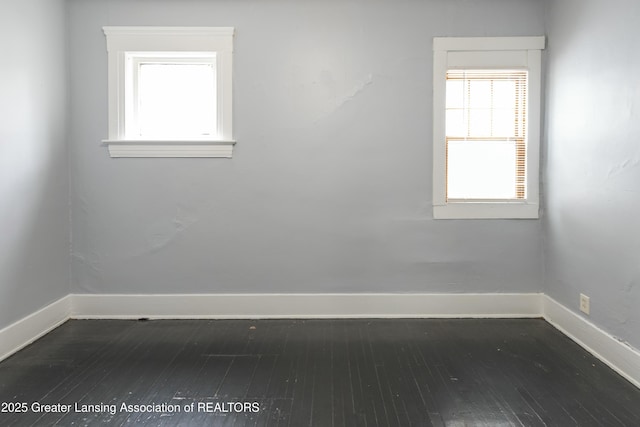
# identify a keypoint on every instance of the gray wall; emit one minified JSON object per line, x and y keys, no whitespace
{"x":592,"y":225}
{"x":329,"y":189}
{"x":34,"y":242}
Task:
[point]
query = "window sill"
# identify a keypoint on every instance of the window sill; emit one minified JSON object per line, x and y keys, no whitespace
{"x":486,"y":210}
{"x":169,"y":148}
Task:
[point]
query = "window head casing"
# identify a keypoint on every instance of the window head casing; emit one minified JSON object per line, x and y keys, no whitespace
{"x":486,"y":127}
{"x":170,"y":91}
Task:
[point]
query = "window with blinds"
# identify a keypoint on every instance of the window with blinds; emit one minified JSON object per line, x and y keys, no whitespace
{"x":486,"y":134}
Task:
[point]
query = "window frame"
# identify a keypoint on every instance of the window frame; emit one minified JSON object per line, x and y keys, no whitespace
{"x":487,"y":53}
{"x":125,"y":43}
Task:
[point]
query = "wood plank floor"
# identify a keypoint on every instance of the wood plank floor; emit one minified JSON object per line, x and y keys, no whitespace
{"x":312,"y":373}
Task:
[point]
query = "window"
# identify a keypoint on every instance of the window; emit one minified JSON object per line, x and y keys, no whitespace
{"x":170,"y":91}
{"x":486,"y":127}
{"x":171,"y":97}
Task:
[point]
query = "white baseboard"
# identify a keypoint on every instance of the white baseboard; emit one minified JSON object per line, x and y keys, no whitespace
{"x":252,"y":306}
{"x":25,"y":331}
{"x":620,"y":357}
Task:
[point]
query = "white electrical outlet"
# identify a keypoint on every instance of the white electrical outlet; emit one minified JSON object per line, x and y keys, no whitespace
{"x":585,"y":305}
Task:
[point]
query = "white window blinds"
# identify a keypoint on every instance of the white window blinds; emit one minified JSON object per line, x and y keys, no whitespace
{"x":485,"y":126}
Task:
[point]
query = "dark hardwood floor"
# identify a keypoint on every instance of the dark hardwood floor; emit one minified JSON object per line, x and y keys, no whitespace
{"x":312,"y":372}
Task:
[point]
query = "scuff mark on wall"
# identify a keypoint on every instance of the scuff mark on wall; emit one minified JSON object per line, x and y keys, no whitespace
{"x":162,"y":233}
{"x":622,"y":177}
{"x":622,"y":167}
{"x":336,"y":102}
{"x":314,"y":100}
{"x":356,"y":90}
{"x":625,"y":343}
{"x":91,"y":261}
{"x":631,"y":286}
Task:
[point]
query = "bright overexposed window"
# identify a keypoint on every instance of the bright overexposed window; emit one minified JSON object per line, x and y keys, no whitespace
{"x":486,"y":127}
{"x":173,"y":97}
{"x":170,"y":91}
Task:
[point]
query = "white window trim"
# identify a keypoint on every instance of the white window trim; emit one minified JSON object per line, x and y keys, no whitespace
{"x":490,"y":52}
{"x":123,"y":40}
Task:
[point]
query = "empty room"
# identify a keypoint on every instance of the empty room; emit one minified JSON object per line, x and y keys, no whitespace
{"x":320,"y":213}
